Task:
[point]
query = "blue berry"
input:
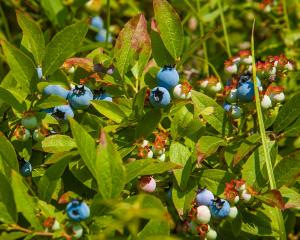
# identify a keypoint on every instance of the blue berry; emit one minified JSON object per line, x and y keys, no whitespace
{"x":78,"y":211}
{"x":160,"y":97}
{"x":56,"y":90}
{"x":204,"y":197}
{"x":101,"y":36}
{"x":63,"y":112}
{"x":97,"y":22}
{"x":29,"y":122}
{"x":227,"y":106}
{"x":80,"y":96}
{"x":220,"y":208}
{"x":167,"y":77}
{"x":26,"y":169}
{"x":245,"y":89}
{"x":104,"y":97}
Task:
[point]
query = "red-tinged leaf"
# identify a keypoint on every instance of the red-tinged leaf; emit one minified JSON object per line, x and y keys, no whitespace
{"x":272,"y":198}
{"x":67,"y":197}
{"x":85,"y":63}
{"x":133,"y":40}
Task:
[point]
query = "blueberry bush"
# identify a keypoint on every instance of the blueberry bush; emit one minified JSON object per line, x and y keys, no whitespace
{"x":149,"y":119}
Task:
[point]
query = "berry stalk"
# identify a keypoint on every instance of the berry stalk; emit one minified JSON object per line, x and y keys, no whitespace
{"x":224,"y":28}
{"x":262,"y":129}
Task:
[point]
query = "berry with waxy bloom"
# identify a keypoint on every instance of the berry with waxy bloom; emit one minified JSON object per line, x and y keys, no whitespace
{"x":159,"y":97}
{"x":220,"y":208}
{"x":77,"y":210}
{"x":56,"y":90}
{"x":204,"y":197}
{"x":80,"y":96}
{"x":26,"y":168}
{"x":167,"y":77}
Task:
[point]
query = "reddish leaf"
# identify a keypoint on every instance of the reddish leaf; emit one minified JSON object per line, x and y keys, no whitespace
{"x":272,"y":198}
{"x":67,"y":197}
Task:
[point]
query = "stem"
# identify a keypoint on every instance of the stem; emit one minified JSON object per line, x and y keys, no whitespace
{"x":224,"y":28}
{"x":211,"y":66}
{"x":206,"y":68}
{"x":7,"y":31}
{"x":268,"y":161}
{"x":286,"y":16}
{"x":107,"y":23}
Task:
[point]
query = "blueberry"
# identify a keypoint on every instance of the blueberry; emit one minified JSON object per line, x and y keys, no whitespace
{"x":29,"y":122}
{"x":220,"y":208}
{"x":245,"y":89}
{"x":160,"y":97}
{"x":80,"y":96}
{"x":227,"y":106}
{"x":56,"y":90}
{"x":101,"y":36}
{"x":63,"y":112}
{"x":167,"y":77}
{"x":26,"y":169}
{"x":204,"y":197}
{"x":77,"y":211}
{"x":97,"y":22}
{"x":104,"y":97}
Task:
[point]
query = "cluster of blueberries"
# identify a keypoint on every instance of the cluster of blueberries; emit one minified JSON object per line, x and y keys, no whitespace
{"x":77,"y":211}
{"x":167,"y":81}
{"x":79,"y":97}
{"x":98,"y":24}
{"x":239,"y":89}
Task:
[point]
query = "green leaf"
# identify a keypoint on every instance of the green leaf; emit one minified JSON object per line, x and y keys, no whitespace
{"x":56,"y":143}
{"x":292,"y":197}
{"x":34,"y":35}
{"x":55,"y":11}
{"x":110,"y":110}
{"x":215,"y":179}
{"x":132,"y":39}
{"x":208,"y":145}
{"x":160,"y":54}
{"x":22,"y":67}
{"x":8,"y":211}
{"x":258,"y":223}
{"x":148,"y":123}
{"x":180,"y":154}
{"x":155,"y":228}
{"x":8,"y":153}
{"x":110,"y":172}
{"x":50,"y":102}
{"x":13,"y":235}
{"x":62,"y":46}
{"x":169,"y":27}
{"x":49,"y":180}
{"x":10,"y":98}
{"x":148,"y":167}
{"x":288,"y":113}
{"x":212,"y":112}
{"x":138,"y":103}
{"x":26,"y":204}
{"x":86,"y":145}
{"x":246,"y":147}
{"x":184,"y":124}
{"x":254,"y":170}
{"x":287,"y":171}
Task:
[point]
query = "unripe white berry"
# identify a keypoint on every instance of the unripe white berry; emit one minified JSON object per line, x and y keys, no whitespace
{"x":211,"y":234}
{"x":233,"y":212}
{"x":266,"y":102}
{"x":203,"y":214}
